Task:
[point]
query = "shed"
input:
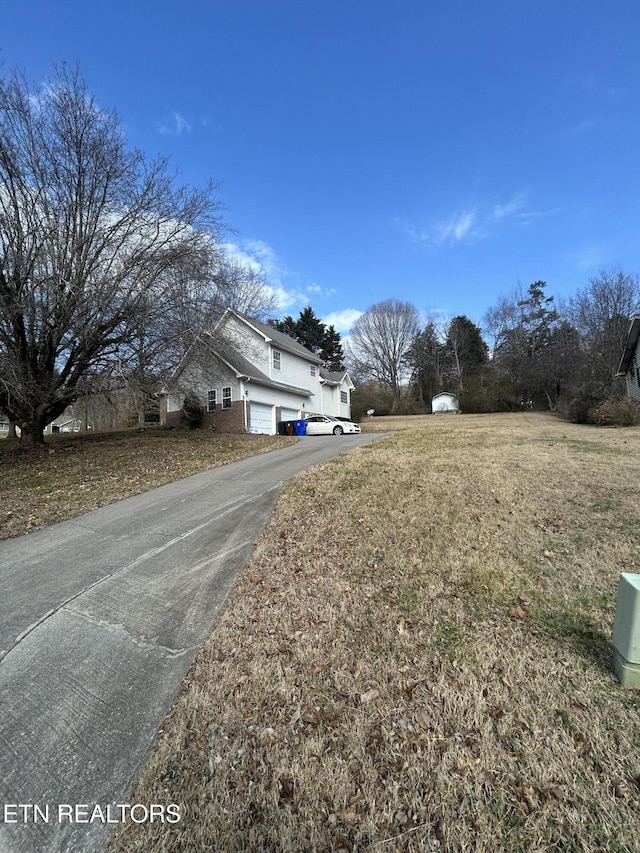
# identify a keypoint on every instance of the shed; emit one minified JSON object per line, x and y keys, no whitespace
{"x":444,"y":402}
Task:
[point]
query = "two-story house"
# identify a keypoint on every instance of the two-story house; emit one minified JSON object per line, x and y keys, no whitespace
{"x":248,"y":377}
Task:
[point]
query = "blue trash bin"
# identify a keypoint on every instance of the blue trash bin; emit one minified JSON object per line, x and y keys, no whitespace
{"x":300,"y":427}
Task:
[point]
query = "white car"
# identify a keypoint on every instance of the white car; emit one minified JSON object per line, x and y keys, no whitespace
{"x":324,"y":425}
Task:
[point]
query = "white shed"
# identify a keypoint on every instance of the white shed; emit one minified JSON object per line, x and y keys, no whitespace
{"x":444,"y":403}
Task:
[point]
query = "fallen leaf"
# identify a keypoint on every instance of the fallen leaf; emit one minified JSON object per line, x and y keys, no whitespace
{"x":548,"y":554}
{"x":369,"y":696}
{"x":486,"y":777}
{"x":517,"y":613}
{"x":349,"y":815}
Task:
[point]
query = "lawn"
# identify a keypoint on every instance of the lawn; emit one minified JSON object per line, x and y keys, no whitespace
{"x":75,"y":473}
{"x":418,"y":656}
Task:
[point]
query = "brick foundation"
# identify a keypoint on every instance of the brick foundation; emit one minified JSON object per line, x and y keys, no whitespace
{"x":225,"y":420}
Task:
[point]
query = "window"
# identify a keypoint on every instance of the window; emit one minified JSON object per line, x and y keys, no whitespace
{"x":313,"y":370}
{"x":226,"y":398}
{"x":277,"y":360}
{"x":211,"y":401}
{"x":344,"y":397}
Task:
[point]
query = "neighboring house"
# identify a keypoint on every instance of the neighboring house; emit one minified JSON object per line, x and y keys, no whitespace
{"x":630,"y":361}
{"x":66,"y":422}
{"x":248,"y":377}
{"x":444,"y":403}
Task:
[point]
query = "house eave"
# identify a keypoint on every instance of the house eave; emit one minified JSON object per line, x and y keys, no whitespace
{"x":629,"y":347}
{"x":279,"y":339}
{"x":278,"y":386}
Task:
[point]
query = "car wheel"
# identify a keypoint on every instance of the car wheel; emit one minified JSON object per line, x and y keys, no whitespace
{"x":337,"y":430}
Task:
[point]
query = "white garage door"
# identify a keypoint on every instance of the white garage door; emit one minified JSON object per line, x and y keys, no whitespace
{"x":261,"y":418}
{"x":289,"y":414}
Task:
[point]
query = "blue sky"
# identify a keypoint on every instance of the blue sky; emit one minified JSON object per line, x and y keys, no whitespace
{"x":439,"y":153}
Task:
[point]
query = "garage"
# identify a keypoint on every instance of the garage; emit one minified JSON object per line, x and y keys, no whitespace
{"x":261,"y":418}
{"x":289,"y":414}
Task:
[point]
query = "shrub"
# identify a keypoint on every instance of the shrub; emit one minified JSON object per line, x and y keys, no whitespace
{"x":620,"y":412}
{"x":582,"y":409}
{"x":192,"y":411}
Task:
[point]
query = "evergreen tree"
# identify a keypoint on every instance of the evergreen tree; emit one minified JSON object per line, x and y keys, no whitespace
{"x":332,"y":354}
{"x":312,"y":333}
{"x":526,"y":353}
{"x":425,"y":357}
{"x":465,"y":351}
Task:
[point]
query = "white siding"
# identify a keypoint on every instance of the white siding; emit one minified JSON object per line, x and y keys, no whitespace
{"x":332,"y":403}
{"x":633,"y":375}
{"x":249,"y":343}
{"x":294,"y":369}
{"x":202,"y":374}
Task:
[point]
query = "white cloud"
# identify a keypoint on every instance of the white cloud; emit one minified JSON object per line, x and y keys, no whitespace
{"x":174,"y":125}
{"x":509,"y":208}
{"x":588,"y":257}
{"x":290,"y":295}
{"x":261,"y":257}
{"x":454,"y":229}
{"x":342,"y":320}
{"x":475,"y":223}
{"x":457,"y":228}
{"x":419,"y":235}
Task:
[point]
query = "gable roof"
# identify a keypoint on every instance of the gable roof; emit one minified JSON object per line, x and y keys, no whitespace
{"x":272,"y":335}
{"x":333,"y":377}
{"x":244,"y":369}
{"x":630,"y":346}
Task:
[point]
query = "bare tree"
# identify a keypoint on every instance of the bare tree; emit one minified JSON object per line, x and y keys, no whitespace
{"x":380,"y":341}
{"x":244,"y":289}
{"x":601,"y":313}
{"x":501,"y":318}
{"x":88,"y":233}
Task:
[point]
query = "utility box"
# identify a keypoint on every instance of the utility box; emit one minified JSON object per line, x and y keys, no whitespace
{"x":626,"y":631}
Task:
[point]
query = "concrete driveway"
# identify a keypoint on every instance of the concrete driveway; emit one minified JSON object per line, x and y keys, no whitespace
{"x":100,"y":618}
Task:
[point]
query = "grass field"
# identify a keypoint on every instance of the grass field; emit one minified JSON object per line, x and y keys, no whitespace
{"x":418,"y":656}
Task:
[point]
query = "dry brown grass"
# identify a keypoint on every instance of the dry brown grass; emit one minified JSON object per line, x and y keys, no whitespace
{"x":418,"y":656}
{"x":75,"y":473}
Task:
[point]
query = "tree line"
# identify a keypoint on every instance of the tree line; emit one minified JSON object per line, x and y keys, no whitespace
{"x":110,"y":268}
{"x":529,"y":351}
